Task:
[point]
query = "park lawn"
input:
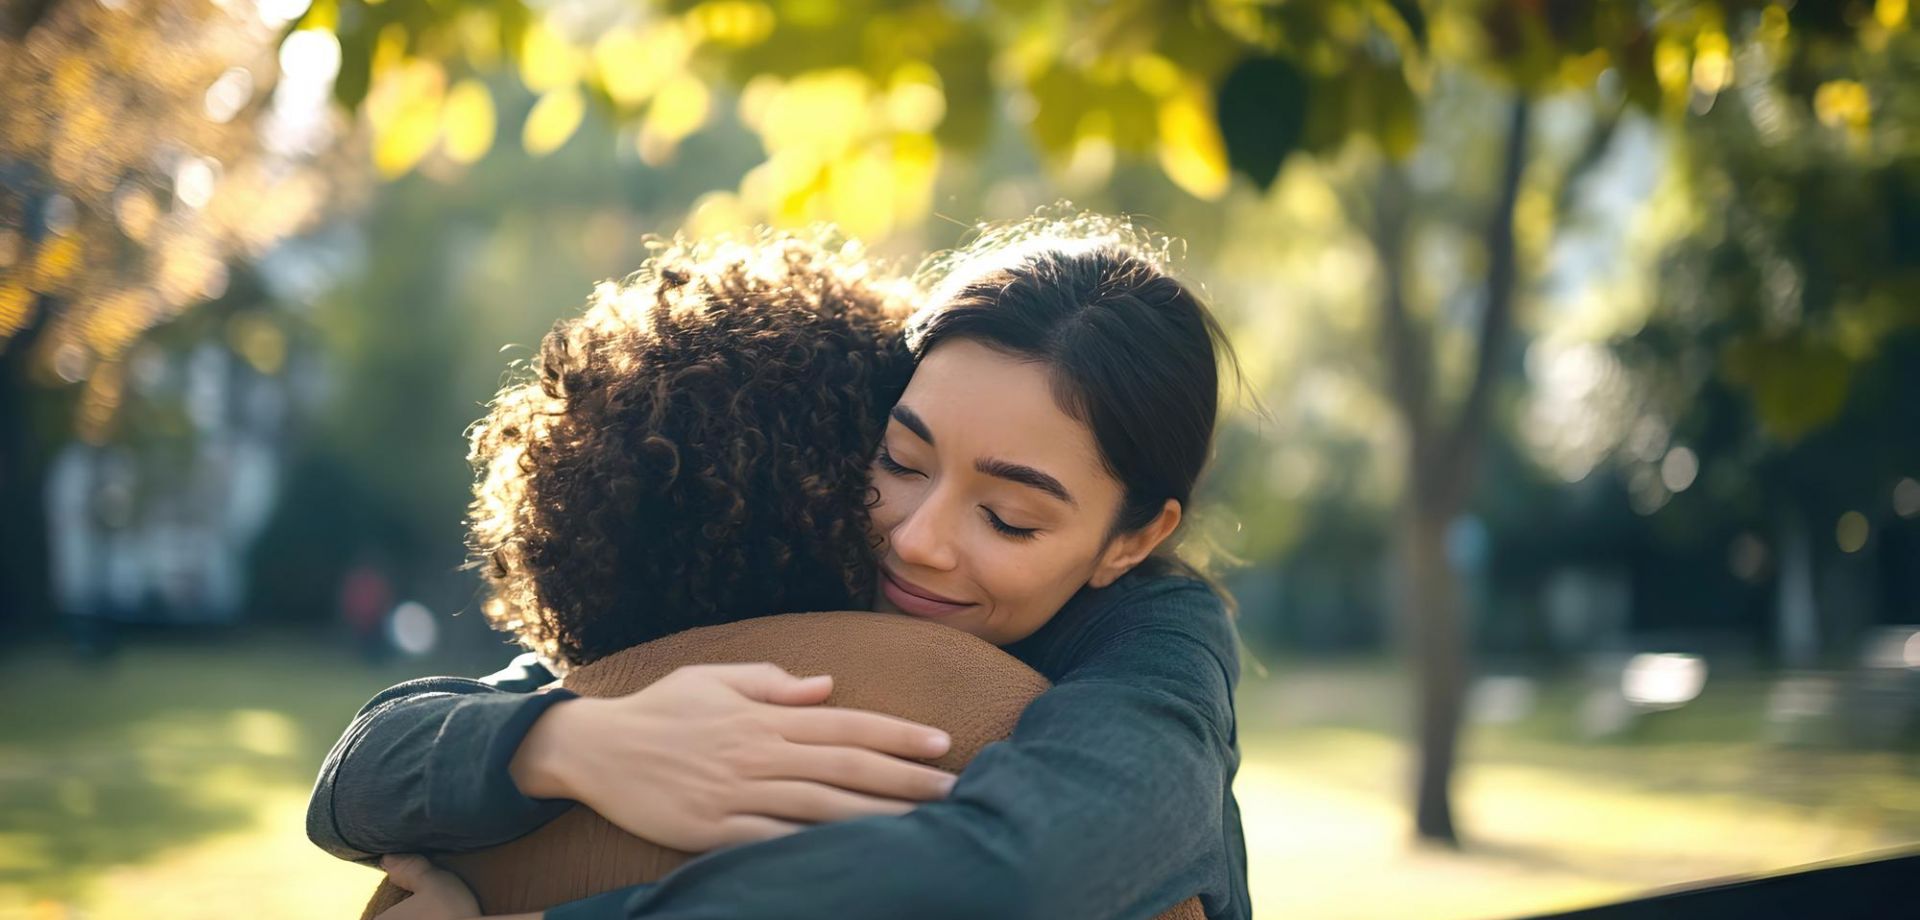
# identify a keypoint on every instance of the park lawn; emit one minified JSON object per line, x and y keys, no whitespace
{"x":172,"y":783}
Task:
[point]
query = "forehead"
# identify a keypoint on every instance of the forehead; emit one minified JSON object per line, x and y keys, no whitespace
{"x":982,"y":403}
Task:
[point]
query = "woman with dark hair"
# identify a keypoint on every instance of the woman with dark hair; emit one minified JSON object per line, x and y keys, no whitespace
{"x":1043,"y":452}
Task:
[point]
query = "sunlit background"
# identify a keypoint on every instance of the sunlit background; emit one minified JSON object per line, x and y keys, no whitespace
{"x":1572,"y":500}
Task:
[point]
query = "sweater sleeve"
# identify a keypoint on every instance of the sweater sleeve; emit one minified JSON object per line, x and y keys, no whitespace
{"x":423,"y":768}
{"x":1106,"y":802}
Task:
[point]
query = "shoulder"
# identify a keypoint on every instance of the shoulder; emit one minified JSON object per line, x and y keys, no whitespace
{"x":1173,"y":603}
{"x":1149,"y":594}
{"x":1170,"y":614}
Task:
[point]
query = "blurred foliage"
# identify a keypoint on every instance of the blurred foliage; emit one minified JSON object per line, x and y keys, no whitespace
{"x":144,"y":148}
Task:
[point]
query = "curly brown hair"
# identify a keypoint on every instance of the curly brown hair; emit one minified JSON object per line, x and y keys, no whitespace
{"x":692,"y":449}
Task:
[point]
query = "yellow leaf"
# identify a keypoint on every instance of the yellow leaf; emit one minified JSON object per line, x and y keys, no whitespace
{"x":632,"y":65}
{"x":58,"y":260}
{"x":552,"y":121}
{"x":915,"y":103}
{"x":257,"y":339}
{"x":323,"y":14}
{"x":479,"y":32}
{"x":1154,"y":74}
{"x":1191,"y":150}
{"x":16,"y":308}
{"x":1843,"y":104}
{"x":404,"y":110}
{"x":680,"y":108}
{"x":1891,"y":14}
{"x":822,"y":114}
{"x":389,"y":48}
{"x":547,"y":61}
{"x":1712,"y":63}
{"x":737,"y":23}
{"x":916,"y":164}
{"x":1672,"y":64}
{"x":859,"y":192}
{"x":468,"y":121}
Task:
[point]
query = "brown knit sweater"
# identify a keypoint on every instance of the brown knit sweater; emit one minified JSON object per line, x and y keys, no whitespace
{"x":885,"y":663}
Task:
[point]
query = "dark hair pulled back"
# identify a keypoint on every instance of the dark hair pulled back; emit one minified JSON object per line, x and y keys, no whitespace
{"x":1132,"y":352}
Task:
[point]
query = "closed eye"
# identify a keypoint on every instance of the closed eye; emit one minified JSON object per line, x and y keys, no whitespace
{"x":895,"y":467}
{"x":1006,"y":529}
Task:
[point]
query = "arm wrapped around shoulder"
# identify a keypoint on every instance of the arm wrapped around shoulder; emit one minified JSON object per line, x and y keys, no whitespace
{"x":883,"y":663}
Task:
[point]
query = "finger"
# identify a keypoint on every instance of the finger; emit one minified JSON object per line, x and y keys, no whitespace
{"x":767,"y":683}
{"x":814,"y":803}
{"x":859,"y":728}
{"x":406,"y":870}
{"x":735,"y":829}
{"x":863,"y":771}
{"x":802,"y":691}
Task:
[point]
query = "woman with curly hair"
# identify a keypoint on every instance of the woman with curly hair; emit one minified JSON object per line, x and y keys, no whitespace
{"x":1030,"y":475}
{"x":693,"y":450}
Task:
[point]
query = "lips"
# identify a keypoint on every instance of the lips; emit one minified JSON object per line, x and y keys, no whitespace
{"x":913,"y":599}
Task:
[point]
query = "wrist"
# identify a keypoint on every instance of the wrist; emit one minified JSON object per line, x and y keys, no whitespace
{"x":539,"y":766}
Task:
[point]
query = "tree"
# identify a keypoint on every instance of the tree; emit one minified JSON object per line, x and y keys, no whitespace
{"x":145,"y":149}
{"x":1765,"y":373}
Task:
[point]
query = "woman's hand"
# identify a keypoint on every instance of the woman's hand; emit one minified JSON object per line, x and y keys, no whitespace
{"x":713,"y":755}
{"x":437,"y":893}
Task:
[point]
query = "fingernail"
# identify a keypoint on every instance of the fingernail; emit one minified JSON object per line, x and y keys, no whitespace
{"x":947,"y":786}
{"x":938,"y":742}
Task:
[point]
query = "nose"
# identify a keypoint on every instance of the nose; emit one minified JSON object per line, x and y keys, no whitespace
{"x":920,"y":539}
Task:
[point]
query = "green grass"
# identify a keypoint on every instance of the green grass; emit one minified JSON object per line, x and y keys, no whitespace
{"x":172,"y":781}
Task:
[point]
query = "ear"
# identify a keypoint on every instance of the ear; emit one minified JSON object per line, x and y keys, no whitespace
{"x":1128,"y":549}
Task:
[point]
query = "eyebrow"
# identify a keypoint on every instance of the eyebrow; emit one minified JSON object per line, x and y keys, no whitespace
{"x":1026,"y":476}
{"x":999,"y":469}
{"x":914,"y":423}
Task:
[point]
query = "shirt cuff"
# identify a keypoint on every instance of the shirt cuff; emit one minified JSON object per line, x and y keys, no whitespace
{"x":473,"y":789}
{"x":609,"y":906}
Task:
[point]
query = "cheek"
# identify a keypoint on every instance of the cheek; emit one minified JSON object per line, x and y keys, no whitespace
{"x":1030,"y":583}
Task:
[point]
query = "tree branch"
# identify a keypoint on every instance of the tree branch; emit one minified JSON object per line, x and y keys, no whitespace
{"x":1402,"y":343}
{"x":1599,"y":141}
{"x":1459,"y":451}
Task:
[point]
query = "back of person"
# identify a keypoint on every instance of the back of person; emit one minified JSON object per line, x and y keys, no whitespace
{"x":901,"y":666}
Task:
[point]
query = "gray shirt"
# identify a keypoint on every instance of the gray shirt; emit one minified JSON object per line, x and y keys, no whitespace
{"x":1113,"y":797}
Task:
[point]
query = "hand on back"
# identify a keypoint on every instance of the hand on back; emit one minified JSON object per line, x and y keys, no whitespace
{"x":714,"y":755}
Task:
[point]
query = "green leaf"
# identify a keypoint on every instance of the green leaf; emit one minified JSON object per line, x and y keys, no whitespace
{"x":1262,"y":108}
{"x":1796,"y":386}
{"x":964,"y":64}
{"x":356,"y":68}
{"x":1062,"y":97}
{"x":1415,"y":18}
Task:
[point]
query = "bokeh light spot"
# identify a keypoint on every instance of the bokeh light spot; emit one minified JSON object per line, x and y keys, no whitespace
{"x":1906,"y":498}
{"x":413,"y":628}
{"x":1663,"y":680}
{"x":1679,"y":469}
{"x":1851,"y":532}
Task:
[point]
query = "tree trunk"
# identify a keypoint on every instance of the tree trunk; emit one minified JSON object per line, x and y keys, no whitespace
{"x":23,"y":535}
{"x":1442,"y":465}
{"x":1429,"y":601}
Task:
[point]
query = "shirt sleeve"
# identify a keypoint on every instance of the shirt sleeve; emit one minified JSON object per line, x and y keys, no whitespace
{"x":423,"y":767}
{"x":1107,"y":801}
